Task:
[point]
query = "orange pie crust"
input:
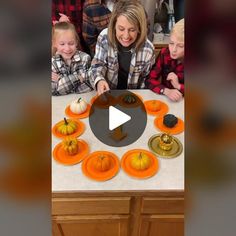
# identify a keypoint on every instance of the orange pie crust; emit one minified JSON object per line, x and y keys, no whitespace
{"x":77,"y":133}
{"x":141,"y":174}
{"x":62,"y":157}
{"x":163,"y":109}
{"x":91,"y":172}
{"x":177,"y":129}
{"x":71,"y":114}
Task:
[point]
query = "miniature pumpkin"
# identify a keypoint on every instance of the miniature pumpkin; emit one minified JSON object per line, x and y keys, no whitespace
{"x":154,"y":106}
{"x":67,"y":127}
{"x":70,"y":145}
{"x":102,"y":163}
{"x":140,"y":161}
{"x":166,"y":142}
{"x":129,"y":99}
{"x":170,"y":120}
{"x":78,"y":106}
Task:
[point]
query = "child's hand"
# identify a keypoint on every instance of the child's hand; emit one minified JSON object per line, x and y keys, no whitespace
{"x":63,"y":18}
{"x":55,"y":76}
{"x":173,"y":94}
{"x":174,"y":80}
{"x":102,"y":87}
{"x":54,"y":22}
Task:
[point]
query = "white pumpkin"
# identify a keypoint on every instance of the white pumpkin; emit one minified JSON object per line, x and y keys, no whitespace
{"x":78,"y":106}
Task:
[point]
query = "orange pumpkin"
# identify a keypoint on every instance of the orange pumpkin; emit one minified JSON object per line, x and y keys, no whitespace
{"x":140,"y":161}
{"x":102,"y":163}
{"x":154,"y":105}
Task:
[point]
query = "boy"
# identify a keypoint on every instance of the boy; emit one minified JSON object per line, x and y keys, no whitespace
{"x":170,"y":67}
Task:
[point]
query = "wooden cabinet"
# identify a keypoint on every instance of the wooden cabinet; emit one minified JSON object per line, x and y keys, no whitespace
{"x":158,"y":45}
{"x":99,"y":225}
{"x":162,"y":225}
{"x":162,"y":216}
{"x":118,"y":214}
{"x":88,"y":216}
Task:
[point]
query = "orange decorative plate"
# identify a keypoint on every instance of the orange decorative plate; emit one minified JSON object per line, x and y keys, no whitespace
{"x":77,"y":133}
{"x":149,"y":172}
{"x":80,"y":116}
{"x":61,"y":156}
{"x":177,"y":129}
{"x":90,"y":171}
{"x":163,"y":108}
{"x":112,"y":101}
{"x":124,"y":104}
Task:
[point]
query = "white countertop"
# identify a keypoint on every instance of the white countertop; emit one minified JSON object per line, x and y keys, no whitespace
{"x":170,"y":175}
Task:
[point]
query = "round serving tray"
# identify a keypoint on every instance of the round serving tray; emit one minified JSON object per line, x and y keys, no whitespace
{"x":176,"y":150}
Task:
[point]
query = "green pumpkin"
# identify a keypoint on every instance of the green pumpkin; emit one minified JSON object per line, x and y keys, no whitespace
{"x":129,"y":99}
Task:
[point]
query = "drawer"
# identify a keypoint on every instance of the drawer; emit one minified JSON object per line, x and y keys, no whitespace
{"x":153,"y":205}
{"x":90,"y":206}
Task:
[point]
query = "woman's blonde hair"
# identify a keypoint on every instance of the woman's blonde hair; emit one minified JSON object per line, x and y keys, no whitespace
{"x":134,"y":12}
{"x":58,"y":28}
{"x":178,"y":30}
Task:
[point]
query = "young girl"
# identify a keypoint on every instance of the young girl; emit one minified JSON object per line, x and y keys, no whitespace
{"x":124,"y":56}
{"x":69,"y":65}
{"x":167,"y":77}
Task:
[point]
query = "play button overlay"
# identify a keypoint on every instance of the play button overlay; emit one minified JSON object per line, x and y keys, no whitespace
{"x":118,"y":118}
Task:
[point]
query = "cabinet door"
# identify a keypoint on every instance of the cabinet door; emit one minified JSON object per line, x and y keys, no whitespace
{"x":99,"y":225}
{"x":162,"y":225}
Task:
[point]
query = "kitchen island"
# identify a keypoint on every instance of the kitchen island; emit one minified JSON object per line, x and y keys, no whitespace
{"x":122,"y":206}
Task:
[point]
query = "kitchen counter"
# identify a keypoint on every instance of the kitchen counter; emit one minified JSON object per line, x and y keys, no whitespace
{"x":170,"y":175}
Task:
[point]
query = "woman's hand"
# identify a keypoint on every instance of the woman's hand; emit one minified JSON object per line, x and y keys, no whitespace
{"x":55,"y":76}
{"x":102,"y":86}
{"x":173,"y":94}
{"x":174,"y":80}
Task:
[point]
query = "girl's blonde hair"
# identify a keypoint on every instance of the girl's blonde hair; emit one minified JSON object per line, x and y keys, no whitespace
{"x":178,"y":30}
{"x":134,"y":12}
{"x":58,"y":28}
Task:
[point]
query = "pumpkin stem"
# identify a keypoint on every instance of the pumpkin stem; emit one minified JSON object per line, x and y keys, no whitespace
{"x":140,"y":155}
{"x":79,"y":100}
{"x":66,"y":122}
{"x":70,"y":142}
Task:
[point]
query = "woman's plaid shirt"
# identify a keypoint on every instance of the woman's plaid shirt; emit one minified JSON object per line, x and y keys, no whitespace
{"x":73,"y":78}
{"x":105,"y":64}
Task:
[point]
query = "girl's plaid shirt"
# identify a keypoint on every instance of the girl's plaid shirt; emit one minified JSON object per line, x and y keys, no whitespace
{"x":73,"y":78}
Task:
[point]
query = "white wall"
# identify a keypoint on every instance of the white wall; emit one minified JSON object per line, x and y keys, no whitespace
{"x":150,"y":6}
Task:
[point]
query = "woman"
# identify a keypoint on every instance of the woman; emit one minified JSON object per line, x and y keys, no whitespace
{"x":124,"y":56}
